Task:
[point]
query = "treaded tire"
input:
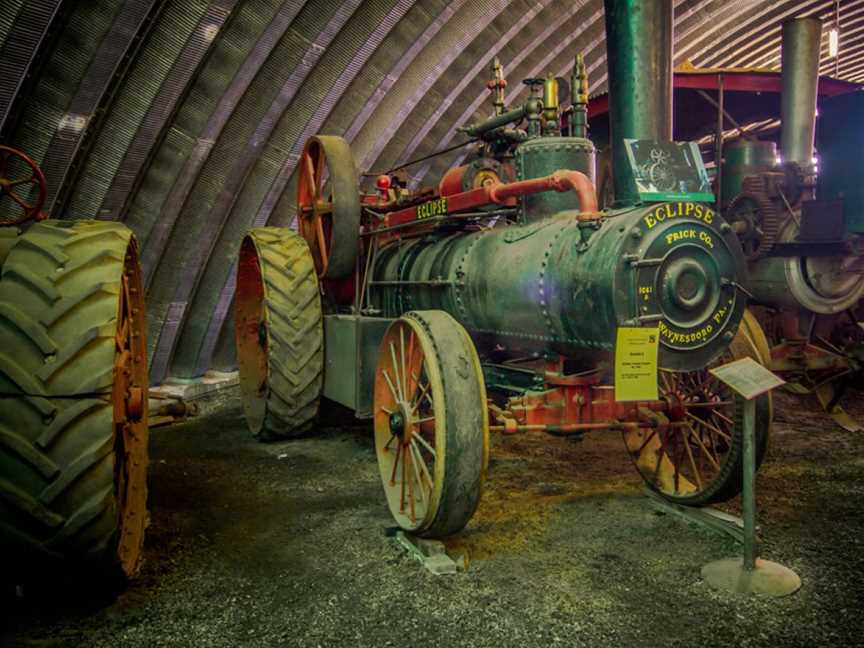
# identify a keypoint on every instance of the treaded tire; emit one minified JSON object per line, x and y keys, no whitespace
{"x":278,"y":328}
{"x":72,"y":474}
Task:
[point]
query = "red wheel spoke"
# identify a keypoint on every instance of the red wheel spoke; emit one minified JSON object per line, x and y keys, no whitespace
{"x":426,"y":445}
{"x":713,"y":428}
{"x":311,"y":184}
{"x":25,"y":206}
{"x":395,"y":366}
{"x":415,"y":461}
{"x":395,"y":465}
{"x":402,"y":449}
{"x":410,"y":485}
{"x":30,"y":180}
{"x":702,"y":446}
{"x":696,"y":472}
{"x":322,"y":243}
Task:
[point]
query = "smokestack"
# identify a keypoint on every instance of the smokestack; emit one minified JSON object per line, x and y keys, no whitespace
{"x":802,"y":39}
{"x":639,"y":56}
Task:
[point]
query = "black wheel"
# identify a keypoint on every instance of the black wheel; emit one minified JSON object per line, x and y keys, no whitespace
{"x":328,"y":205}
{"x":697,"y":459}
{"x":73,"y":384}
{"x":278,"y":327}
{"x":431,"y":423}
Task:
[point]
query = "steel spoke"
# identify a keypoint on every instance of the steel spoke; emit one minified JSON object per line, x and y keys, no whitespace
{"x":390,"y":385}
{"x":693,"y":463}
{"x":416,"y":403}
{"x":423,"y":467}
{"x":392,"y":436}
{"x":402,"y":354}
{"x":409,"y":392}
{"x":322,"y":243}
{"x":404,"y":472}
{"x":395,"y":466}
{"x":710,"y":427}
{"x":410,"y":486}
{"x":311,"y":180}
{"x":646,"y":441}
{"x":413,"y":450}
{"x":702,"y":445}
{"x":396,"y":371}
{"x":18,"y":200}
{"x":724,"y":417}
{"x":427,"y":446}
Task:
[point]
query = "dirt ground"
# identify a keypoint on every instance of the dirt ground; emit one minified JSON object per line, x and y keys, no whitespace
{"x":286,"y":544}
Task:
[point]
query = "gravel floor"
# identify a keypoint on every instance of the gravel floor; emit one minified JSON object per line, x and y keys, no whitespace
{"x":285,"y":544}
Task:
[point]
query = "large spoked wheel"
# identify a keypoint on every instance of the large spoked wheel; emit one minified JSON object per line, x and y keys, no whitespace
{"x":431,"y":423}
{"x":696,"y":460}
{"x":328,"y":205}
{"x":73,"y":380}
{"x":22,"y":187}
{"x":278,"y":328}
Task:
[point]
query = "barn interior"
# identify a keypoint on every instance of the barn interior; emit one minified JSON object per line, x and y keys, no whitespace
{"x":431,"y":322}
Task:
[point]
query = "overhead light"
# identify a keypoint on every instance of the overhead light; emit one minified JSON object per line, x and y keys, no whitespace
{"x":833,"y":42}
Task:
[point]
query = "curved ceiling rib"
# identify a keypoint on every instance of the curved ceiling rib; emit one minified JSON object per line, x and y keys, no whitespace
{"x":185,"y":178}
{"x":161,"y":108}
{"x":586,"y":23}
{"x":365,"y":157}
{"x":104,"y":68}
{"x":20,"y":46}
{"x":217,"y":275}
{"x":214,"y":201}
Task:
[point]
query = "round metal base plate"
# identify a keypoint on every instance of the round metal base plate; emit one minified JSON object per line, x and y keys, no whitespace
{"x":767,"y":579}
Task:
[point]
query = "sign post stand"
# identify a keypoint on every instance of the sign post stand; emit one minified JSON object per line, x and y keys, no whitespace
{"x":750,"y":574}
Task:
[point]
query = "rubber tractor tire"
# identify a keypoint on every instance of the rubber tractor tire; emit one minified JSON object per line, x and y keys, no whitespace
{"x":279,"y":331}
{"x":73,"y":400}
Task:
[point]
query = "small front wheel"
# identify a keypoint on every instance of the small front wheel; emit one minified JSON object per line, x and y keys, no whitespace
{"x":431,"y":423}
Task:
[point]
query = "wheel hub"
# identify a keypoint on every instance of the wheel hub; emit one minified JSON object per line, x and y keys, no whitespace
{"x":402,"y":422}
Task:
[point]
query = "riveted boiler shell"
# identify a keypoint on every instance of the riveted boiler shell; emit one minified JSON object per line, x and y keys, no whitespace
{"x":559,"y":285}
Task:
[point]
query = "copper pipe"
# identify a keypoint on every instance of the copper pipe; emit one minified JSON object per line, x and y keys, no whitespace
{"x":560,"y":181}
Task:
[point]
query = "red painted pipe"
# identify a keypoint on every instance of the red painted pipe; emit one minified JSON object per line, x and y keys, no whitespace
{"x":561,"y":180}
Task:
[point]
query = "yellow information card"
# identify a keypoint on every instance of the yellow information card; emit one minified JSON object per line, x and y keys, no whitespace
{"x":636,"y":364}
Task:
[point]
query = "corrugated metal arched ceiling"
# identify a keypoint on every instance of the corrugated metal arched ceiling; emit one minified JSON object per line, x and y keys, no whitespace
{"x":186,"y":120}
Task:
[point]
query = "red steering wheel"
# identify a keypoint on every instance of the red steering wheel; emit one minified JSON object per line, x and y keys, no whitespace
{"x":22,"y":187}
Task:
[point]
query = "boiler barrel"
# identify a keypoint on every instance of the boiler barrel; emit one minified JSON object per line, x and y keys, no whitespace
{"x":563,"y":286}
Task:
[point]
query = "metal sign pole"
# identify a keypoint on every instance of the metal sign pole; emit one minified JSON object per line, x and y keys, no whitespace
{"x":750,"y":574}
{"x":749,"y":493}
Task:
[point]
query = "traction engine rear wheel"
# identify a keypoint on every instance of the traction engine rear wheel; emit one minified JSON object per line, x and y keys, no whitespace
{"x":278,"y":328}
{"x":431,"y":423}
{"x":73,"y":397}
{"x":328,"y":205}
{"x":698,"y":460}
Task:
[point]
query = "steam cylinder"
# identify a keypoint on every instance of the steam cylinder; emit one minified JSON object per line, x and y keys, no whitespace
{"x":563,"y":286}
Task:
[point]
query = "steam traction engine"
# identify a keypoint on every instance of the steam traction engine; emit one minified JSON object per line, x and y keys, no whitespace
{"x":802,"y":238}
{"x":408,"y":306}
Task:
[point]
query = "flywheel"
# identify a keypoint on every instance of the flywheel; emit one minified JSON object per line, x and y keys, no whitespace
{"x":328,"y":205}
